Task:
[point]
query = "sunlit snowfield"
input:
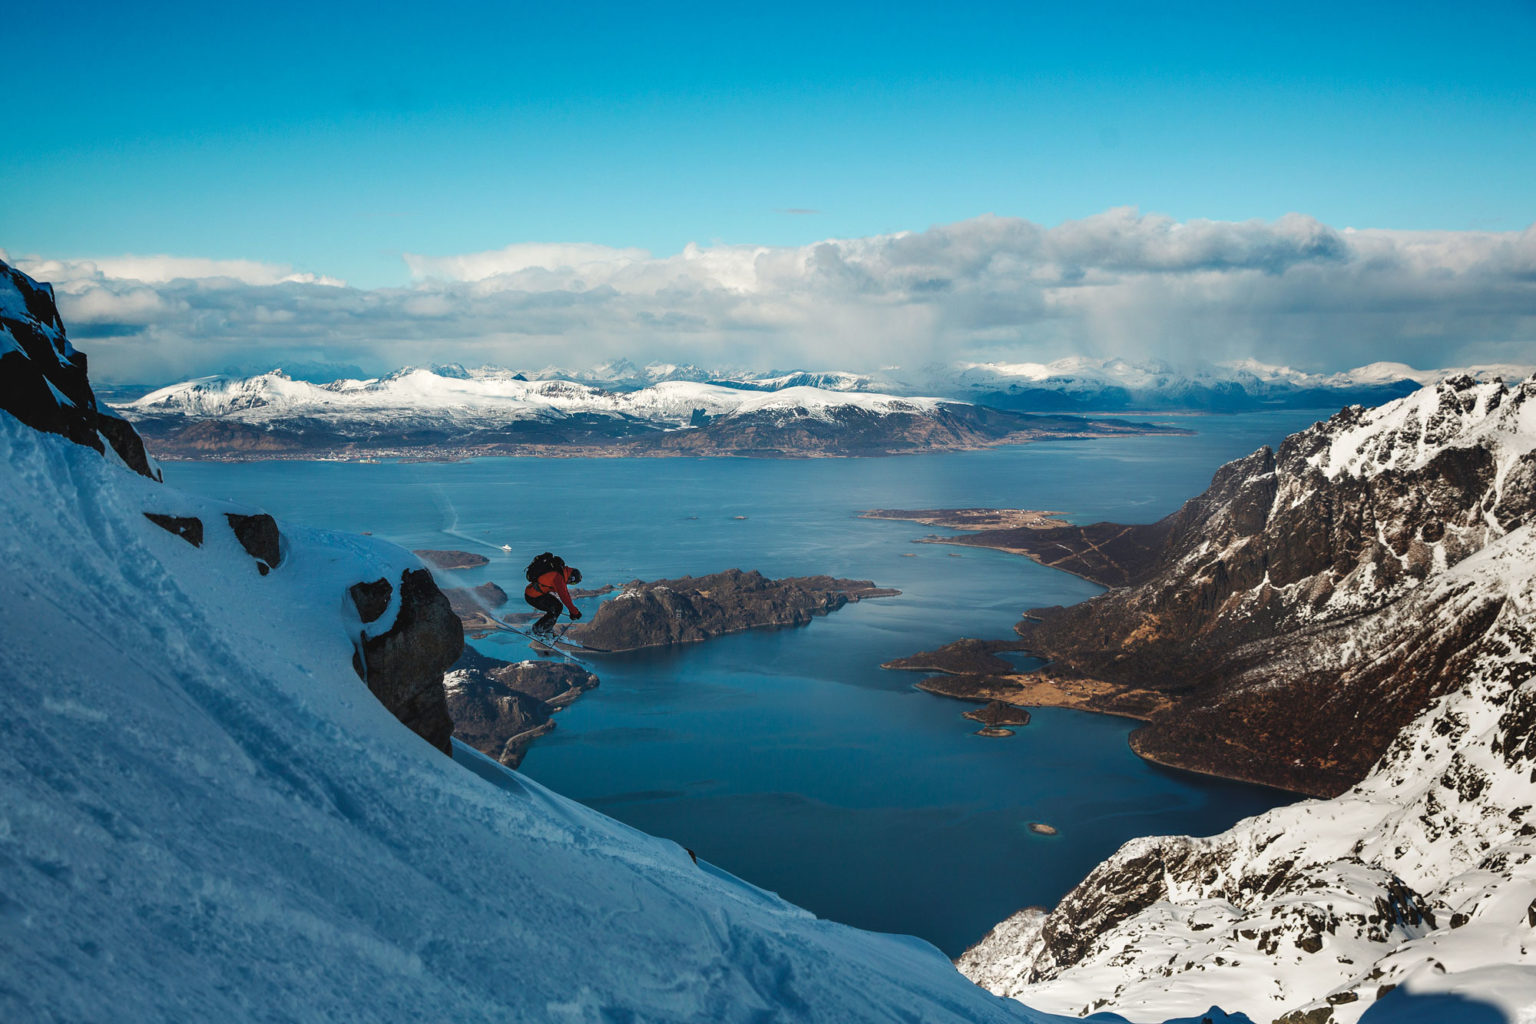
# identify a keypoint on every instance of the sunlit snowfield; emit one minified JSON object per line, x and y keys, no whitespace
{"x":789,"y":757}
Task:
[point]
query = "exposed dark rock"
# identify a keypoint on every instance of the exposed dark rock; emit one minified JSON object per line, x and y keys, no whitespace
{"x":43,"y":381}
{"x":499,"y":708}
{"x":404,"y":667}
{"x":259,"y":535}
{"x":188,"y":528}
{"x":697,"y":608}
{"x":1317,"y":1015}
{"x":371,"y":599}
{"x":451,"y":559}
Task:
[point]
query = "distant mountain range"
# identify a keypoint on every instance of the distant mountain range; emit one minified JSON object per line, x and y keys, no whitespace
{"x":1077,"y":384}
{"x":448,"y":412}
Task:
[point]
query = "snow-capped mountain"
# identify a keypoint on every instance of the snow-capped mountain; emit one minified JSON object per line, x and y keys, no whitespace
{"x":1368,"y":593}
{"x":479,"y":398}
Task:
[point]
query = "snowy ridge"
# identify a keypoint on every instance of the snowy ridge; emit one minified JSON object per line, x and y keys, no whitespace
{"x":1422,"y":877}
{"x":1457,"y":413}
{"x":491,"y":398}
{"x":204,"y":814}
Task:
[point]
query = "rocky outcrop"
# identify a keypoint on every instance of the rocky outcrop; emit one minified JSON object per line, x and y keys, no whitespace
{"x":500,"y":708}
{"x":1285,"y":617}
{"x":695,"y":608}
{"x":43,"y":380}
{"x":259,"y":535}
{"x":404,"y":665}
{"x":371,"y":598}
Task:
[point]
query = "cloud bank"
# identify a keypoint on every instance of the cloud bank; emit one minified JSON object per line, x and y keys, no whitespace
{"x":1292,"y":291}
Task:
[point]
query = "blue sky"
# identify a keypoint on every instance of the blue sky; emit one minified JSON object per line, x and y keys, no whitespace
{"x":335,"y":138}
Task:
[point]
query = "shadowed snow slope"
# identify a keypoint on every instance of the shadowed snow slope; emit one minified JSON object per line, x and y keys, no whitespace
{"x":204,"y":814}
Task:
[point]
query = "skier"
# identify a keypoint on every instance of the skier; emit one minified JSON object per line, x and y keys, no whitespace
{"x":548,"y":576}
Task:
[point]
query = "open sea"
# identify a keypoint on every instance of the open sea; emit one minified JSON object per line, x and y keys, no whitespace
{"x":789,"y":757}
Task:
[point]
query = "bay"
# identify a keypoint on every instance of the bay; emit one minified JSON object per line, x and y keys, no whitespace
{"x":788,"y":756}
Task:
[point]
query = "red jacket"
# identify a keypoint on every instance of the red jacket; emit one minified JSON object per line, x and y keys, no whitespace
{"x":552,"y":582}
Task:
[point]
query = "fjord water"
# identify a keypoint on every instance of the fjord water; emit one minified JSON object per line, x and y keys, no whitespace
{"x":789,"y":757}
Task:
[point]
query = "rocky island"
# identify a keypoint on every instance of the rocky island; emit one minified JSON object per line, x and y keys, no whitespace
{"x":451,"y":559}
{"x":500,"y":708}
{"x":693,"y":608}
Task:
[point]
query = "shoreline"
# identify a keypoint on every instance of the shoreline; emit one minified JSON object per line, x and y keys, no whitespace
{"x":1036,"y":692}
{"x":460,"y":453}
{"x":973,"y":524}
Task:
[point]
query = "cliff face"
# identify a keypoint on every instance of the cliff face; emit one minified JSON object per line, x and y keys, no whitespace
{"x":404,"y":664}
{"x":1420,"y":880}
{"x":1286,"y":612}
{"x":699,"y":607}
{"x":43,"y":379}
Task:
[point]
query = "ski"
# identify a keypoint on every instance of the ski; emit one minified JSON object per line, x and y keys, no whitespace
{"x":546,"y":646}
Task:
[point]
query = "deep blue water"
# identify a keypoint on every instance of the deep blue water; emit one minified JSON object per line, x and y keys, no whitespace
{"x":789,"y":757}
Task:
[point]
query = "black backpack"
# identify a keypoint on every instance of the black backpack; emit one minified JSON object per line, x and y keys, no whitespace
{"x":541,"y":564}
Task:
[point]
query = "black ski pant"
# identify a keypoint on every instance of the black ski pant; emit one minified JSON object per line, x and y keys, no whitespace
{"x":550,"y":605}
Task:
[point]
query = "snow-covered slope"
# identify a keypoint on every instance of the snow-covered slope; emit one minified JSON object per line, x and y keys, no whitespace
{"x":205,"y":815}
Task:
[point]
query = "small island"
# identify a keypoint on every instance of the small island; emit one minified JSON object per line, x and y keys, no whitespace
{"x":1041,"y":828}
{"x":996,"y":716}
{"x":693,"y":608}
{"x":451,"y":559}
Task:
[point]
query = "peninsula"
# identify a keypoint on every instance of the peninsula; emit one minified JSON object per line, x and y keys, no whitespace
{"x":1111,"y":554}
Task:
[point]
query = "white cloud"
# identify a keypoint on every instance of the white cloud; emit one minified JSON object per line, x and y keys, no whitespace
{"x":1292,"y":291}
{"x":476,"y":266}
{"x":165,"y":269}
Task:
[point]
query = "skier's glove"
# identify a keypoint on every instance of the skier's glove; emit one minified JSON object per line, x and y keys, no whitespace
{"x":575,"y":614}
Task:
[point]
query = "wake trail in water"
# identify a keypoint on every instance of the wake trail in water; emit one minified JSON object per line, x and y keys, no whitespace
{"x":451,"y":514}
